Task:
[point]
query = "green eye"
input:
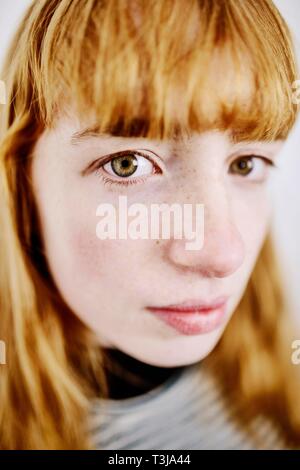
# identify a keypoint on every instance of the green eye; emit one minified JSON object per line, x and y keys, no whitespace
{"x":129,"y":163}
{"x":125,"y":165}
{"x":242,"y":166}
{"x":254,"y":168}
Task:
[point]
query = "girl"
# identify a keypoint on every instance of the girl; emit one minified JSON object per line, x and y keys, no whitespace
{"x":122,"y":343}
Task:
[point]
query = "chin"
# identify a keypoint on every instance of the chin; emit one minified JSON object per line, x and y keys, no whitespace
{"x":183,"y":356}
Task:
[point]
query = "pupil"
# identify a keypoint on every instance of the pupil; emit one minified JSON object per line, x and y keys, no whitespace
{"x":245,"y":165}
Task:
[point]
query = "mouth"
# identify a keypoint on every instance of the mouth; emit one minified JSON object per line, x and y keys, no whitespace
{"x":192,"y":316}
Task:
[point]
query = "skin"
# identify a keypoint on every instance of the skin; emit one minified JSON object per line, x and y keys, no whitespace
{"x":108,"y":283}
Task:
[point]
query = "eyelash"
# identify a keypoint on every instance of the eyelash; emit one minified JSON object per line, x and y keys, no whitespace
{"x":129,"y":182}
{"x":253,"y":155}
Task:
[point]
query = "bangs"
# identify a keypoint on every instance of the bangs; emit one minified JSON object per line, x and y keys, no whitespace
{"x":163,"y":69}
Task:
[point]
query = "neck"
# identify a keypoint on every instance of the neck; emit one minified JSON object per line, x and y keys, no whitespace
{"x":128,"y":377}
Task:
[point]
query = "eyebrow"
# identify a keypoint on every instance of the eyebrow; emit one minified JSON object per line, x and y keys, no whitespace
{"x":135,"y":128}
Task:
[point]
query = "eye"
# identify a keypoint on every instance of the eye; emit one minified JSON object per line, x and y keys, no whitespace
{"x":127,"y":164}
{"x":252,"y":167}
{"x":123,"y":165}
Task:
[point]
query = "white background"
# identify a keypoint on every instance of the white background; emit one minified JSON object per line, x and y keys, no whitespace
{"x":286,"y":218}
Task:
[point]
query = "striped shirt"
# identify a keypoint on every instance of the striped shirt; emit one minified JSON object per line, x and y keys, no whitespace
{"x":185,"y":412}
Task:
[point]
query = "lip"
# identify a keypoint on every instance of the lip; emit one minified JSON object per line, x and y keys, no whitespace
{"x":192,"y":306}
{"x":193,"y":317}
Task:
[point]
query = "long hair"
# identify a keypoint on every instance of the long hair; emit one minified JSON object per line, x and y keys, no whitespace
{"x":125,"y":65}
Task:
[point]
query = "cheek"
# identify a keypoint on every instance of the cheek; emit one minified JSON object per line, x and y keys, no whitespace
{"x":252,"y":214}
{"x":108,"y":264}
{"x":93,"y":265}
{"x":83,"y":269}
{"x":77,"y":259}
{"x":89,"y":256}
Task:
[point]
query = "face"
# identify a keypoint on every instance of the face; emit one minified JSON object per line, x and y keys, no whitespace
{"x":114,"y":285}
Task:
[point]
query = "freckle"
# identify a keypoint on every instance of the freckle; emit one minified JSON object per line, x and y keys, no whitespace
{"x":157,"y":242}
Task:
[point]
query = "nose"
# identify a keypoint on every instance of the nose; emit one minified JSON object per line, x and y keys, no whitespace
{"x":222,"y":251}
